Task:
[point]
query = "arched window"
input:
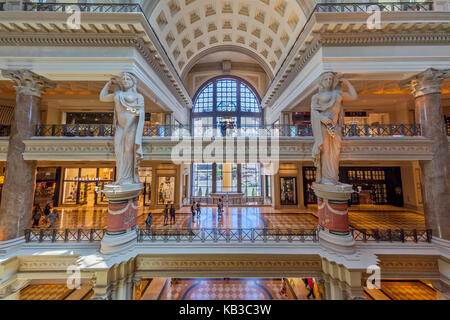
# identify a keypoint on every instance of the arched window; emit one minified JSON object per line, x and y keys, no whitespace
{"x":227,"y":106}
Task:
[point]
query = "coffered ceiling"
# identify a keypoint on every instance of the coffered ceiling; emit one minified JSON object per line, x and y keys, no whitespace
{"x":262,"y":29}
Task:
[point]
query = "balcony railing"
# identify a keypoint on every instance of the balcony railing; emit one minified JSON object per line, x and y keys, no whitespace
{"x":84,"y":7}
{"x":106,"y":130}
{"x":225,"y":235}
{"x":253,"y":200}
{"x":401,"y":235}
{"x":64,"y":235}
{"x":383,"y":6}
{"x":75,"y":130}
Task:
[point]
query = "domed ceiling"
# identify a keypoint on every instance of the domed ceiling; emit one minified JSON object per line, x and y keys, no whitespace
{"x":262,"y":29}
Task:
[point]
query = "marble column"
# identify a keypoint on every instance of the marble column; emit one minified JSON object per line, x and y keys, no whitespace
{"x":436,"y":172}
{"x":18,"y":189}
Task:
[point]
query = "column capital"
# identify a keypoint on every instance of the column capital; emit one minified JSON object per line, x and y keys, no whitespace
{"x":428,"y":82}
{"x":28,"y":82}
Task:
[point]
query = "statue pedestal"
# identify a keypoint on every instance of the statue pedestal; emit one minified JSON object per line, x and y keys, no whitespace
{"x":122,"y":217}
{"x":334,"y":230}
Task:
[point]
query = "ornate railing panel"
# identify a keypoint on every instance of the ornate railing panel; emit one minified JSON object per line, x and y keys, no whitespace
{"x":107,"y":130}
{"x":234,"y":201}
{"x":64,"y":235}
{"x":383,"y":6}
{"x":226,"y":235}
{"x":75,"y":130}
{"x":401,"y":235}
{"x":84,"y":7}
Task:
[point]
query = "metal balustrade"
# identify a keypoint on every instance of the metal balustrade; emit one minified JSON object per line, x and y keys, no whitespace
{"x":106,"y":130}
{"x":75,"y":130}
{"x":227,"y":235}
{"x":321,"y":7}
{"x":399,"y":235}
{"x":382,"y":6}
{"x":248,"y":200}
{"x":64,"y":235}
{"x":84,"y":7}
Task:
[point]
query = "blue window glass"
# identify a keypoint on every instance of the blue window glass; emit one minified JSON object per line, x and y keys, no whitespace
{"x":227,"y":95}
{"x":205,"y":100}
{"x":249,"y":103}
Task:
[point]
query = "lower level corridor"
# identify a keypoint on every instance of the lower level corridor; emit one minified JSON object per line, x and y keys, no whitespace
{"x":228,"y":289}
{"x":244,"y":217}
{"x":235,"y":289}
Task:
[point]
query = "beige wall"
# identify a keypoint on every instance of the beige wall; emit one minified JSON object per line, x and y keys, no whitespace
{"x":252,"y":73}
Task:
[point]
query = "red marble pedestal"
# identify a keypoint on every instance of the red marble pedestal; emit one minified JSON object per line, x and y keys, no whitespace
{"x":122,"y":217}
{"x":334,"y":230}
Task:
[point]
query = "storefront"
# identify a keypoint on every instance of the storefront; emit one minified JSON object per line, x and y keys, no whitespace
{"x":47,"y":186}
{"x":146,"y":178}
{"x":82,"y":186}
{"x":372,"y":185}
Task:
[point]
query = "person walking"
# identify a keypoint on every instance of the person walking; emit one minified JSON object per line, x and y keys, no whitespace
{"x":36,"y":216}
{"x":148,"y":221}
{"x":47,"y":210}
{"x":166,"y":214}
{"x":283,"y":290}
{"x":172,"y":214}
{"x":311,"y":289}
{"x":199,"y":211}
{"x":193,"y":209}
{"x":52,"y":217}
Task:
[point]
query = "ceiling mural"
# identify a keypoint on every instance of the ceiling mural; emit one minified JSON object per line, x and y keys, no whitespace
{"x":265,"y":28}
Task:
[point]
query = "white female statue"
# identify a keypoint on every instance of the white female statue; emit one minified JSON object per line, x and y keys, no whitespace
{"x":129,"y":119}
{"x":327,"y":119}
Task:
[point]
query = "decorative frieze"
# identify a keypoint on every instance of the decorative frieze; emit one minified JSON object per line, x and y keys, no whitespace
{"x":228,"y":262}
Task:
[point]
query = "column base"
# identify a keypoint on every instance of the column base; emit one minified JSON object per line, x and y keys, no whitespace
{"x":7,"y":247}
{"x":334,"y":231}
{"x":339,"y":243}
{"x":112,"y":244}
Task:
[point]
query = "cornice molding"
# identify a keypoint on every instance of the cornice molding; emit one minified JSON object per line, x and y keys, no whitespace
{"x":345,"y":40}
{"x":101,"y":40}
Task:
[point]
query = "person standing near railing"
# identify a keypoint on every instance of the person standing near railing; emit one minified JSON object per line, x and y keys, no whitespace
{"x":37,"y":214}
{"x":148,"y":221}
{"x":166,"y":214}
{"x":52,"y":217}
{"x":172,"y":214}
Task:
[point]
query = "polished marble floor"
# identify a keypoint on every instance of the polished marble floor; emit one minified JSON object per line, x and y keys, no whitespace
{"x":383,"y":217}
{"x":55,"y":292}
{"x":402,"y":290}
{"x":225,"y":289}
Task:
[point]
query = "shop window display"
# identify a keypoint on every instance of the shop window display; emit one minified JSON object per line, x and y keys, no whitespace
{"x":251,"y":179}
{"x":46,"y":183}
{"x":145,"y":176}
{"x":288,"y":195}
{"x":166,"y":190}
{"x":82,"y":186}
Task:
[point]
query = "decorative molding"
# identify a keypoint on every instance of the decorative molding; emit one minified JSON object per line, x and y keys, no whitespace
{"x":102,"y":149}
{"x":228,"y":263}
{"x":408,"y":263}
{"x":46,"y":263}
{"x":322,"y":34}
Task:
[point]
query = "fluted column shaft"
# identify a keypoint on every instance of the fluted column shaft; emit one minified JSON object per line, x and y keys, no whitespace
{"x":18,"y":189}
